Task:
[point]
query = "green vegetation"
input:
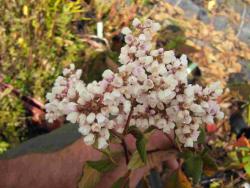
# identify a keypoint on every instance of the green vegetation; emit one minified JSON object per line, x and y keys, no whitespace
{"x":36,"y":41}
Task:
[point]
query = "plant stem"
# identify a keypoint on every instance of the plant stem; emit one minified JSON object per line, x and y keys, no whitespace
{"x":125,"y":132}
{"x":170,"y":139}
{"x":175,"y":145}
{"x":127,"y":179}
{"x":116,"y":134}
{"x":124,"y":145}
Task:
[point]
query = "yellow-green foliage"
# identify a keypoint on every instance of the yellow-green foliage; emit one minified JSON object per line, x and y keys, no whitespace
{"x":12,"y":121}
{"x":36,"y":42}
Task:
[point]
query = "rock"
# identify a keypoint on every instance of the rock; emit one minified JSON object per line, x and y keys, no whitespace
{"x":245,"y":33}
{"x":190,"y":9}
{"x":239,"y":6}
{"x":203,"y":16}
{"x":220,"y":22}
{"x":245,"y":70}
{"x":173,"y":2}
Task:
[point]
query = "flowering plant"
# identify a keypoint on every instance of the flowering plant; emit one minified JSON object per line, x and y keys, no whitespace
{"x":149,"y":91}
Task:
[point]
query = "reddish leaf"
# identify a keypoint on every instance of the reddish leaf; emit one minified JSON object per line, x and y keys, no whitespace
{"x":178,"y":180}
{"x":242,"y":142}
{"x":211,"y":128}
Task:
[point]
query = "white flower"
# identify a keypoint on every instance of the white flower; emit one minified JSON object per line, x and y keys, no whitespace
{"x":105,"y":133}
{"x":80,"y":86}
{"x":171,"y":125}
{"x":151,"y":121}
{"x":96,"y":127}
{"x":189,"y":90}
{"x":72,"y":117}
{"x":132,"y":80}
{"x":124,"y":59}
{"x":156,"y":27}
{"x":117,"y":82}
{"x":85,"y":95}
{"x":91,"y":118}
{"x":168,"y":57}
{"x":78,"y":73}
{"x":102,"y":143}
{"x":139,"y":72}
{"x":115,"y":94}
{"x":154,"y":53}
{"x":114,"y":110}
{"x":195,"y":135}
{"x":184,"y":60}
{"x":161,"y":123}
{"x":181,"y":75}
{"x":197,"y":108}
{"x":160,"y":106}
{"x":148,"y":84}
{"x":127,"y":106}
{"x":194,"y":126}
{"x":132,"y":49}
{"x":110,"y":124}
{"x":66,"y":72}
{"x":71,"y":93}
{"x":152,"y":81}
{"x":129,"y":39}
{"x":169,"y":94}
{"x":100,"y":118}
{"x":142,"y":37}
{"x":186,"y":129}
{"x":126,"y":31}
{"x":189,"y":142}
{"x":72,"y":66}
{"x":144,"y":124}
{"x":81,"y":101}
{"x":108,"y":74}
{"x":49,"y":96}
{"x":208,"y":119}
{"x":58,"y":89}
{"x":89,"y":139}
{"x":84,"y":130}
{"x":136,"y":22}
{"x":82,"y":119}
{"x":220,"y":115}
{"x":67,"y":107}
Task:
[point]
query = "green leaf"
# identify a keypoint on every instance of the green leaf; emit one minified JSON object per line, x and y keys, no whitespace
{"x":202,"y":136}
{"x":186,"y":155}
{"x":246,"y":161}
{"x":135,"y":132}
{"x":135,"y":161}
{"x":209,"y":165}
{"x":177,"y":180}
{"x":193,"y":167}
{"x":247,"y":168}
{"x":140,"y":142}
{"x":122,"y":182}
{"x":149,"y":130}
{"x":102,"y":165}
{"x":141,"y":148}
{"x":90,"y":178}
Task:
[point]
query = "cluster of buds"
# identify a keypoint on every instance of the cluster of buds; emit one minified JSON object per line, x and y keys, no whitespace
{"x":150,"y":89}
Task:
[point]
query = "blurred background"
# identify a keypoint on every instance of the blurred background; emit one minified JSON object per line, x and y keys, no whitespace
{"x":38,"y":38}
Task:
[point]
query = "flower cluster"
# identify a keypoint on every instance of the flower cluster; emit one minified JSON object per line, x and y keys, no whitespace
{"x":150,"y":89}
